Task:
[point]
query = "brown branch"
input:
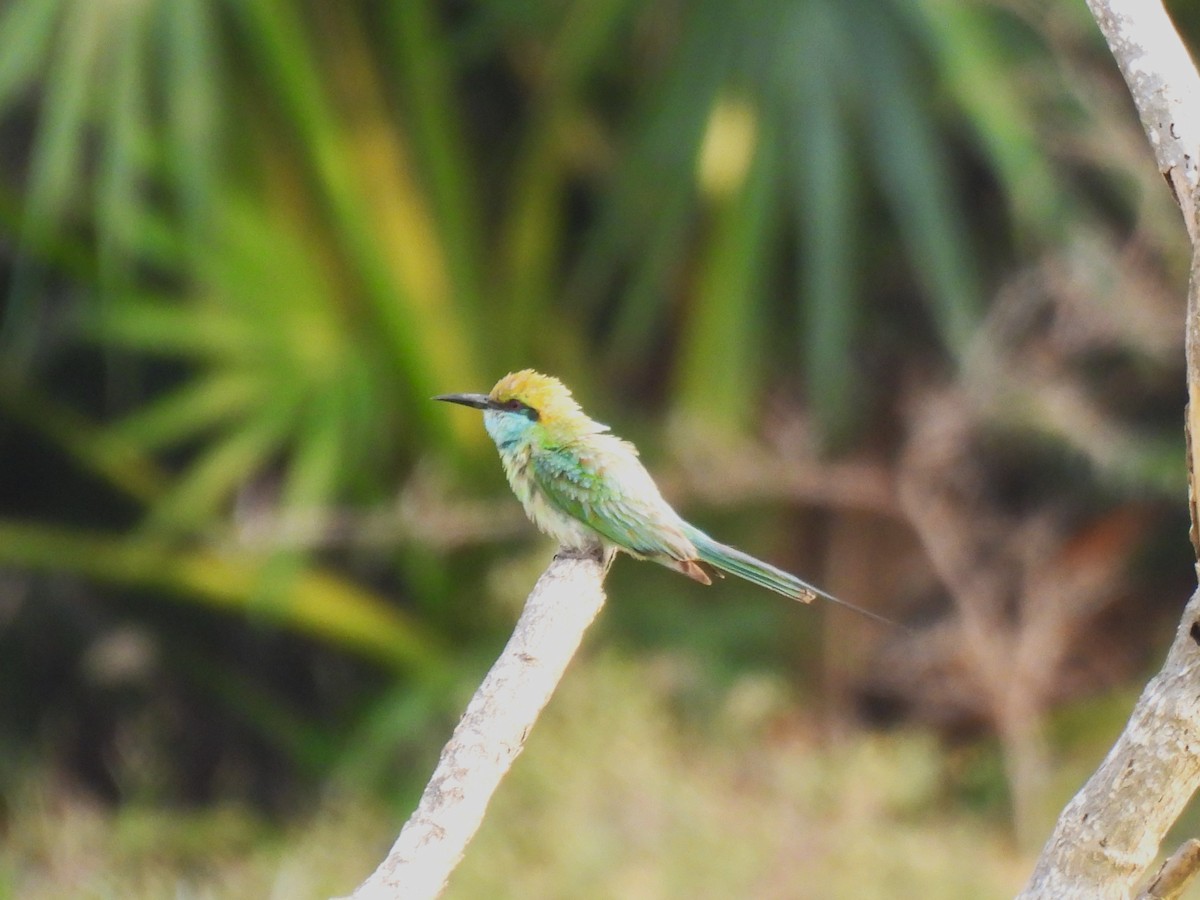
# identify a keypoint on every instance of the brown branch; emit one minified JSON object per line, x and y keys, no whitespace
{"x":1110,"y":832}
{"x":424,"y":514}
{"x":1023,"y":596}
{"x":491,"y":732}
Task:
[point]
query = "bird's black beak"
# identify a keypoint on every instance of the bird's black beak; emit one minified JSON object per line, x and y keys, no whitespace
{"x":479,"y":401}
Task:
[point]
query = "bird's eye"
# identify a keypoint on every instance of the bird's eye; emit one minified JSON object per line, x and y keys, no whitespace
{"x":513,"y":405}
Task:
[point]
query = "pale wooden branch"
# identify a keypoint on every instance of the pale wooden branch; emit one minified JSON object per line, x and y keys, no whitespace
{"x":1165,"y":88}
{"x":491,"y":732}
{"x":1175,"y":874}
{"x":1110,"y":833}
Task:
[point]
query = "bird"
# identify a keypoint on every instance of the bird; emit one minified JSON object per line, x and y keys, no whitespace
{"x":587,"y":489}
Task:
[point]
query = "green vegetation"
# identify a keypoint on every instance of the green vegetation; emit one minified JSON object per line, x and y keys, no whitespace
{"x":246,"y":565}
{"x":760,"y":804}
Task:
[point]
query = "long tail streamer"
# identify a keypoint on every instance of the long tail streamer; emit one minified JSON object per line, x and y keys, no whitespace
{"x":743,"y":565}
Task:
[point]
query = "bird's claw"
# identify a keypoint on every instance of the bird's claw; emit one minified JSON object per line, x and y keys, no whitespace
{"x":592,"y":553}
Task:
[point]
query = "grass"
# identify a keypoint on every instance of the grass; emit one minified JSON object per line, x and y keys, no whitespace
{"x":615,"y":796}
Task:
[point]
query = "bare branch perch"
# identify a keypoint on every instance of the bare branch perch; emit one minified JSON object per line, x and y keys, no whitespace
{"x":1109,"y":834}
{"x":491,"y":732}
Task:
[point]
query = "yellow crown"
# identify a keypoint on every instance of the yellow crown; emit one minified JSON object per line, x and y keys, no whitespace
{"x":550,"y":397}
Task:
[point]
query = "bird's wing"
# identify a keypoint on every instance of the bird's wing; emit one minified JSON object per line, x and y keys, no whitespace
{"x":606,"y":487}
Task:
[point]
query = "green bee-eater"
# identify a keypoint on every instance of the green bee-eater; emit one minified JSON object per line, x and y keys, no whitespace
{"x":588,"y":490}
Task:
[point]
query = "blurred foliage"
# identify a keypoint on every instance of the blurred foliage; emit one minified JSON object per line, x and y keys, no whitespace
{"x":776,"y":807}
{"x":243,"y":244}
{"x":652,"y":811}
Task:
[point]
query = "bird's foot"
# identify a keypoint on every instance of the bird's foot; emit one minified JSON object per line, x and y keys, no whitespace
{"x":579,"y":553}
{"x":594,"y":553}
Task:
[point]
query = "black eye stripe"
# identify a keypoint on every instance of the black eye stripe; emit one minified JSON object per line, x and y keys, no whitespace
{"x":515,"y":405}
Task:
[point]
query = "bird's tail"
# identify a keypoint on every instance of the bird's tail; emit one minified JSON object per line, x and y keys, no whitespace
{"x":743,"y":565}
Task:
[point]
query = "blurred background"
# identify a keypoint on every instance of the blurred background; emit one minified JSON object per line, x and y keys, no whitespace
{"x":888,"y":292}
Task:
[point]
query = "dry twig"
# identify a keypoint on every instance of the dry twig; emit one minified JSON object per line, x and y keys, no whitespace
{"x":1021,"y":595}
